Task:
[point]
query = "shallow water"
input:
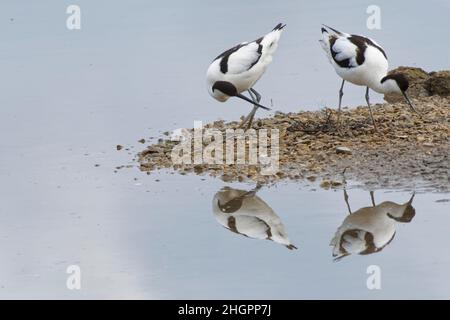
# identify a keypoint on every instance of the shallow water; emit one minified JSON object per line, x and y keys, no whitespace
{"x":136,"y":70}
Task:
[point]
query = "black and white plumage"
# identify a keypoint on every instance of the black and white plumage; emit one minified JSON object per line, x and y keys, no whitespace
{"x":363,"y":62}
{"x":243,"y":212}
{"x":370,"y":229}
{"x":239,"y":68}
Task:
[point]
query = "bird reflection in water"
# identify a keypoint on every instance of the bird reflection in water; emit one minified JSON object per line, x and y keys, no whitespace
{"x":245,"y":213}
{"x":370,"y":229}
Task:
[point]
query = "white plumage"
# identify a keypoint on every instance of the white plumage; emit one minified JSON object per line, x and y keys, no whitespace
{"x":239,"y":68}
{"x":363,"y":62}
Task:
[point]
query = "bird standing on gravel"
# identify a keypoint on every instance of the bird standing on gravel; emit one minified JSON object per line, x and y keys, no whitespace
{"x":363,"y":62}
{"x":239,"y":68}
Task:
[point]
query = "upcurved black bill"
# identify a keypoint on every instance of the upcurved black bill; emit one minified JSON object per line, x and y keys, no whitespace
{"x":410,"y":104}
{"x":252,"y":102}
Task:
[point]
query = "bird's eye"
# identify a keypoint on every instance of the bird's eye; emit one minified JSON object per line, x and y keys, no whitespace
{"x":271,"y":44}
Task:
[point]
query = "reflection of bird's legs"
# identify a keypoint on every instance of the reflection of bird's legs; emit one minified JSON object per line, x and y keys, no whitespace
{"x":372,"y":197}
{"x":253,"y":192}
{"x":258,"y":187}
{"x":346,"y":201}
{"x":345,"y":192}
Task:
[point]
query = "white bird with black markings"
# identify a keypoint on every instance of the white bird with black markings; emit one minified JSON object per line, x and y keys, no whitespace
{"x":239,"y":68}
{"x":363,"y":62}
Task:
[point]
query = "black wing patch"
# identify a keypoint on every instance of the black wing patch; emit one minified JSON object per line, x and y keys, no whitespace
{"x":342,"y":63}
{"x":224,"y":56}
{"x":260,"y":47}
{"x":361,"y":44}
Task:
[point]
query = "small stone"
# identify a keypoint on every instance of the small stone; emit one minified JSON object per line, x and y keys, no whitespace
{"x":119,"y":147}
{"x":151,"y":150}
{"x":280,"y":174}
{"x":343,"y":150}
{"x":325,"y":184}
{"x":428,"y":144}
{"x":335,"y":183}
{"x":226,"y":178}
{"x":198,"y":168}
{"x":142,"y":141}
{"x":320,"y":157}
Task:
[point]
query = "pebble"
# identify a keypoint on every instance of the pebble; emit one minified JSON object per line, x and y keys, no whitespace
{"x":325,"y":184}
{"x":335,"y":183}
{"x":343,"y":150}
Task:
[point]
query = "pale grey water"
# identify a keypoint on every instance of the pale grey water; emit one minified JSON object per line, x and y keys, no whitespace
{"x":136,"y":69}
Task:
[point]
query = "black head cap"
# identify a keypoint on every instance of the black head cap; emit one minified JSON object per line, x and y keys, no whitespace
{"x":400,"y":78}
{"x":226,"y":87}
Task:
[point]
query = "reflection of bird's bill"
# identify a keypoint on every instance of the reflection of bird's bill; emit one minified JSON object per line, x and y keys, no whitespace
{"x":252,"y":102}
{"x":412,"y":197}
{"x":408,"y":213}
{"x":410,"y":103}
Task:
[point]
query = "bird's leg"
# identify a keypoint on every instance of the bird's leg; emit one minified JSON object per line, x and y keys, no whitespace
{"x":258,"y":99}
{"x":341,"y":93}
{"x":249,"y":118}
{"x":258,"y":96}
{"x":370,"y":109}
{"x":250,"y":115}
{"x":372,"y":197}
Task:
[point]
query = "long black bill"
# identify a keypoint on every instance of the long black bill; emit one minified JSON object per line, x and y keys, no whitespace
{"x":252,"y":102}
{"x":410,"y":104}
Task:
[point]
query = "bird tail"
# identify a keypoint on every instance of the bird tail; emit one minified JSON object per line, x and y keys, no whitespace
{"x":330,"y":30}
{"x":278,"y":27}
{"x":327,"y":34}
